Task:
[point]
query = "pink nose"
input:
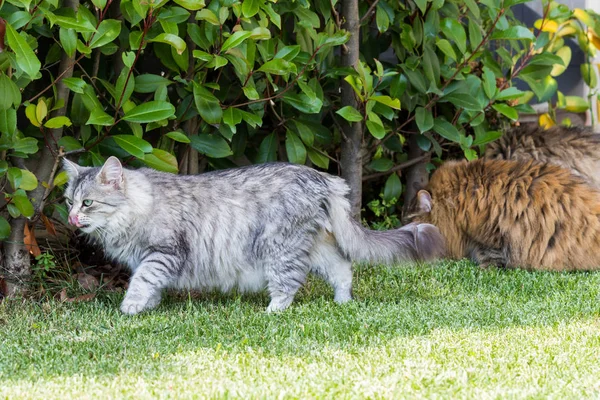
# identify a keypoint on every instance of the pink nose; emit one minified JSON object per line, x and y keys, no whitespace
{"x":74,"y":220}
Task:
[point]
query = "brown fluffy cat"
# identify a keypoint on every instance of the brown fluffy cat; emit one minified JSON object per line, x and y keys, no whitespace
{"x":513,"y":213}
{"x":574,"y":148}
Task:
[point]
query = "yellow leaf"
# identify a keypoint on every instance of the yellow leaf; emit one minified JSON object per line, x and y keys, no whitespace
{"x":28,"y":180}
{"x":568,"y":28}
{"x":30,"y":113}
{"x":565,"y":54}
{"x":546,"y":121}
{"x":549,"y":25}
{"x":583,"y":16}
{"x":595,"y":40}
{"x":41,"y":111}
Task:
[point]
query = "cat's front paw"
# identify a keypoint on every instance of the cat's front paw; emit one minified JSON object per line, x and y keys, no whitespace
{"x":133,"y":306}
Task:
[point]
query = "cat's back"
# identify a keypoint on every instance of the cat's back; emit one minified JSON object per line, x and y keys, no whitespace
{"x":574,"y":148}
{"x":510,"y":186}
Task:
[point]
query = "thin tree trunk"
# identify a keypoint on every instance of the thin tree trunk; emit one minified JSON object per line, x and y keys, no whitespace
{"x":351,"y":157}
{"x":417,"y":176}
{"x":191,"y":125}
{"x":17,"y":268}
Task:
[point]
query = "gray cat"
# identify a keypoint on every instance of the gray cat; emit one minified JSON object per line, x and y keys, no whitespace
{"x":260,"y":226}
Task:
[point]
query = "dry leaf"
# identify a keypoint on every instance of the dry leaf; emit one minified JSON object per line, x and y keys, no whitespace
{"x":83,"y":297}
{"x":30,"y":242}
{"x":87,"y":282}
{"x":49,"y":225}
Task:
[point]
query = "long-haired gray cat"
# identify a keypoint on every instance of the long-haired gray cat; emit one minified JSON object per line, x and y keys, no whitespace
{"x":264,"y":226}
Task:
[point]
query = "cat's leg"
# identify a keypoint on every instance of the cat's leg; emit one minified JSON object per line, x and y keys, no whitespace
{"x":284,"y":277}
{"x":328,"y":262}
{"x":154,"y":273}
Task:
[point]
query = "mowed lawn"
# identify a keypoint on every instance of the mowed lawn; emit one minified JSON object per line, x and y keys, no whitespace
{"x":446,"y":330}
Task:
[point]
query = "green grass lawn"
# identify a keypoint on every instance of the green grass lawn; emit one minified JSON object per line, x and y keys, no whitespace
{"x":448,"y":330}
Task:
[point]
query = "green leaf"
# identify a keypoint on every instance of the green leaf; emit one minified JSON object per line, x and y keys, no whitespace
{"x":509,"y":94}
{"x":431,"y":65}
{"x":349,"y":113}
{"x":133,"y":145}
{"x":57,"y":122}
{"x":99,"y":117}
{"x":489,"y":82}
{"x":108,"y":30}
{"x":191,"y":5}
{"x":76,"y":85}
{"x":417,"y":80}
{"x":475,"y":35}
{"x":9,"y":93}
{"x":28,"y":180}
{"x":306,"y":133}
{"x":278,"y":66}
{"x":267,"y":151}
{"x":4,"y":228}
{"x":207,"y":15}
{"x":446,"y":48}
{"x":506,"y":110}
{"x":295,"y":149}
{"x":178,"y":136}
{"x":175,"y":41}
{"x":149,"y":83}
{"x":387,"y":100}
{"x":513,"y":33}
{"x":161,"y":160}
{"x":23,"y":205}
{"x":26,"y":145}
{"x":150,"y":112}
{"x":8,"y":122}
{"x":251,"y":7}
{"x":232,"y":117}
{"x":446,"y":130}
{"x":381,"y":164}
{"x":207,"y":104}
{"x":393,"y":188}
{"x":213,"y":146}
{"x":382,"y":19}
{"x":69,"y":143}
{"x":376,"y":129}
{"x":235,"y":40}
{"x":455,"y":32}
{"x":61,"y":178}
{"x":422,"y":4}
{"x":462,"y":100}
{"x":424,"y":119}
{"x":25,"y":57}
{"x":486,"y":137}
{"x":68,"y":40}
{"x":81,"y":25}
{"x":318,"y":159}
{"x":14,"y":176}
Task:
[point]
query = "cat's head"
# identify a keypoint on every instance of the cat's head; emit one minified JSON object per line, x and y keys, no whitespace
{"x":94,"y":195}
{"x":419,"y":209}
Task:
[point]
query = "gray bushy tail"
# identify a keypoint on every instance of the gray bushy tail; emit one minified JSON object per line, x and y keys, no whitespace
{"x":413,"y":242}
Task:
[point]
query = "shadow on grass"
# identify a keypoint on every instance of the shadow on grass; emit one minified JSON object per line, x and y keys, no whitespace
{"x":389,"y":303}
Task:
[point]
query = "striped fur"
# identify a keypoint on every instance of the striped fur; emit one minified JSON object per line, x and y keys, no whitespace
{"x":263,"y":226}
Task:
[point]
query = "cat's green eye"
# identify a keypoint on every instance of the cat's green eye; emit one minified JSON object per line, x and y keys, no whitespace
{"x":69,"y":202}
{"x":87,"y":202}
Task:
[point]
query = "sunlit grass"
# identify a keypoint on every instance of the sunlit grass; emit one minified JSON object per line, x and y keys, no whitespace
{"x":449,"y":330}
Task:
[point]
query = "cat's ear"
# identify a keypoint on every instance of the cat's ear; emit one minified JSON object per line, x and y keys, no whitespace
{"x":424,"y":201}
{"x":71,"y":168}
{"x":111,"y":173}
